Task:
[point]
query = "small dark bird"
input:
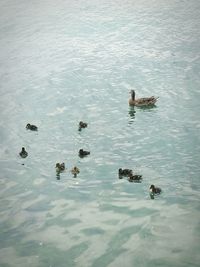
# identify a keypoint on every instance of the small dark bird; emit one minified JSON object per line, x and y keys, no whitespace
{"x":154,"y":191}
{"x":135,"y":178}
{"x":83,"y":153}
{"x":75,"y":171}
{"x":23,"y":153}
{"x":60,"y":167}
{"x":82,"y":125}
{"x":31,"y":127}
{"x":125,"y":172}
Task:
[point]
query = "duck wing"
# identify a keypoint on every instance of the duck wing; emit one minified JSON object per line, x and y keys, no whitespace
{"x":146,"y":100}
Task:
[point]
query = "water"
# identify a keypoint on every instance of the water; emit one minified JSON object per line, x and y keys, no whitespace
{"x":66,"y":61}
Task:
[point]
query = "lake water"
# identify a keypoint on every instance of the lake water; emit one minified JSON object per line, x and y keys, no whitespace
{"x":65,"y":61}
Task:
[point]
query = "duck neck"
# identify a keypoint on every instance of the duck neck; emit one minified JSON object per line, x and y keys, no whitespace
{"x":133,"y":95}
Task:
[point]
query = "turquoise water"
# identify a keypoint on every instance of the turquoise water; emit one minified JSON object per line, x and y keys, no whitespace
{"x":66,"y":61}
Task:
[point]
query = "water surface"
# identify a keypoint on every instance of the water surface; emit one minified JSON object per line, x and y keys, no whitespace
{"x":68,"y":61}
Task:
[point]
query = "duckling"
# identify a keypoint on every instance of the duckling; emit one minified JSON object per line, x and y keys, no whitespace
{"x":125,"y":172}
{"x":82,"y":125}
{"x":23,"y":153}
{"x":135,"y":178}
{"x":154,"y":191}
{"x":31,"y":127}
{"x":145,"y":101}
{"x":60,"y":167}
{"x":57,"y":167}
{"x":75,"y":171}
{"x":83,"y":153}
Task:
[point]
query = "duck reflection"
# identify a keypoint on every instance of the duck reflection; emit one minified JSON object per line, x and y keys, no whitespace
{"x":132,"y":111}
{"x":132,"y":114}
{"x":58,"y":176}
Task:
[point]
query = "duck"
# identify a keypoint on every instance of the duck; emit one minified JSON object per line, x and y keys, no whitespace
{"x":83,"y":153}
{"x":23,"y":153}
{"x":135,"y":178}
{"x":82,"y":125}
{"x":75,"y":171}
{"x":60,"y":167}
{"x":154,"y":191}
{"x":31,"y":127}
{"x":125,"y":172}
{"x":140,"y":102}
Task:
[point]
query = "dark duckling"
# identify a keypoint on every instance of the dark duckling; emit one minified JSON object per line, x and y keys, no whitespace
{"x":60,"y":167}
{"x":82,"y":125}
{"x":154,"y":191}
{"x":31,"y":127}
{"x":125,"y":172}
{"x":23,"y":153}
{"x":75,"y":171}
{"x":135,"y":178}
{"x":83,"y":153}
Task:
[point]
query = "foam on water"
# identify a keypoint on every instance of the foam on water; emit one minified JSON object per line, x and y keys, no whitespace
{"x":66,"y":61}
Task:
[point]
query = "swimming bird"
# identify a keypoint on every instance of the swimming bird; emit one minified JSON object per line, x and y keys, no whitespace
{"x":31,"y":127}
{"x":154,"y":191}
{"x":75,"y":171}
{"x":140,"y":102}
{"x":125,"y":172}
{"x":83,"y":153}
{"x":60,"y":167}
{"x":82,"y":125}
{"x":135,"y":178}
{"x":23,"y":153}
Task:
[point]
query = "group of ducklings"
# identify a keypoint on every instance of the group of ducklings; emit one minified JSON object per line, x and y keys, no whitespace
{"x":137,"y":178}
{"x":60,"y":167}
{"x":23,"y":153}
{"x":131,"y":176}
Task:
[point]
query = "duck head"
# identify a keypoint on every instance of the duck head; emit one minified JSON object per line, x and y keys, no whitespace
{"x":152,"y":189}
{"x":120,"y":171}
{"x":57,"y":165}
{"x":132,"y":92}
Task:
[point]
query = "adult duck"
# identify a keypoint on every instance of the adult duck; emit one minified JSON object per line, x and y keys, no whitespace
{"x":140,"y":102}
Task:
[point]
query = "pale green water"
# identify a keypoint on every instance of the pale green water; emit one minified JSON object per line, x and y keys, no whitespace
{"x":62,"y":62}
